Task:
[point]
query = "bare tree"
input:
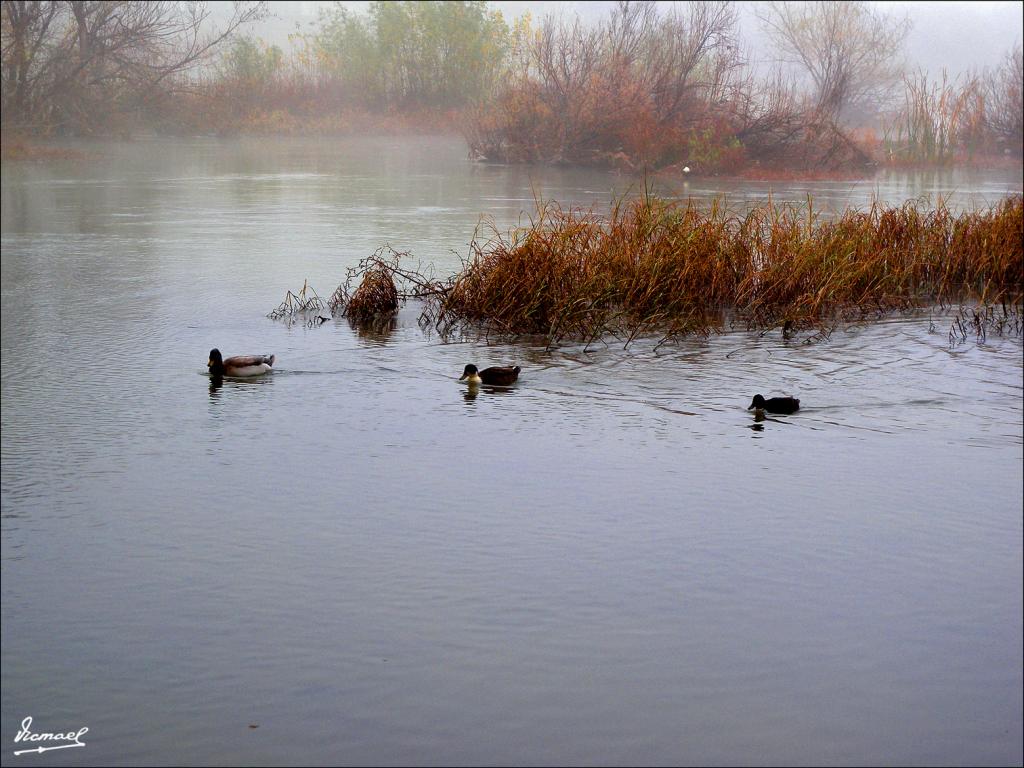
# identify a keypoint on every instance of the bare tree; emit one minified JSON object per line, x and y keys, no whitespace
{"x":768,"y":115}
{"x":1004,"y":105}
{"x":850,"y":50}
{"x":28,"y":29}
{"x":566,"y":58}
{"x":690,"y":57}
{"x":72,"y":63}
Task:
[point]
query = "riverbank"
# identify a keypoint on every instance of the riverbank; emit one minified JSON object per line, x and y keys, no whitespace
{"x":19,"y":147}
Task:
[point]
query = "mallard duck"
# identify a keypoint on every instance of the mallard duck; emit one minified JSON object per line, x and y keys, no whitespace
{"x":775,"y":404}
{"x":500,"y":376}
{"x":240,"y":365}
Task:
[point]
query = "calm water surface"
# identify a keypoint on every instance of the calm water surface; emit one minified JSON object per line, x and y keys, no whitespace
{"x":611,"y":562}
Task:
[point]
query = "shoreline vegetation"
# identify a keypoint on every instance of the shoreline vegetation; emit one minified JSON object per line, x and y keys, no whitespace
{"x":646,"y":89}
{"x":19,"y":147}
{"x":673,"y":268}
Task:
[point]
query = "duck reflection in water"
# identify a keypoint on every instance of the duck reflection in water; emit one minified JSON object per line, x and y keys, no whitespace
{"x":473,"y":391}
{"x":759,"y":418}
{"x":217,"y":384}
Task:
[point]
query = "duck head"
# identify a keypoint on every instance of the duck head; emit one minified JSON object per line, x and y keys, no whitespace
{"x":470,"y":374}
{"x":216,"y":362}
{"x":758,"y":402}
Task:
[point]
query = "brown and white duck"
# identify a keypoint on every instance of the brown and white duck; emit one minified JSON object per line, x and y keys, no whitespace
{"x":240,"y":365}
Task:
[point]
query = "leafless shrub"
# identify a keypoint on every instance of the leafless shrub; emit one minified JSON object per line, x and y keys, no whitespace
{"x":379,"y":284}
{"x":375,"y":296}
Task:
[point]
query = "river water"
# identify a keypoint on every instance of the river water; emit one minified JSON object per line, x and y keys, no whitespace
{"x":612,"y":562}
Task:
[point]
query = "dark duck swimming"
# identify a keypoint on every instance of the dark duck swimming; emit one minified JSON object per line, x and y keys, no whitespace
{"x":775,"y":404}
{"x":495,"y":375}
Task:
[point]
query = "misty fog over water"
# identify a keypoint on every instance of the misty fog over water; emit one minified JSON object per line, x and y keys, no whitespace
{"x":358,"y":560}
{"x":956,"y":35}
{"x":340,"y":553}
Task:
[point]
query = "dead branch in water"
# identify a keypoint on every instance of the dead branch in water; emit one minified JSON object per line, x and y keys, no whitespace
{"x":983,"y":320}
{"x":383,"y":284}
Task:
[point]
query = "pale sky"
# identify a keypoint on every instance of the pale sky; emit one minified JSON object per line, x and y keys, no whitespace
{"x":955,"y":35}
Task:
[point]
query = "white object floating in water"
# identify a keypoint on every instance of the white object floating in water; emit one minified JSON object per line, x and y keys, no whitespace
{"x":686,"y":169}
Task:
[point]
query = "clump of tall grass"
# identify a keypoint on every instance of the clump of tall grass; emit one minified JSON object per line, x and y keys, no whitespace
{"x":937,"y":118}
{"x":672,"y":267}
{"x":944,"y":120}
{"x":375,"y":296}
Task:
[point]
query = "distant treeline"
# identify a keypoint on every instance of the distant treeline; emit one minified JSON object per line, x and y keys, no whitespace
{"x":652,"y":89}
{"x":646,"y":87}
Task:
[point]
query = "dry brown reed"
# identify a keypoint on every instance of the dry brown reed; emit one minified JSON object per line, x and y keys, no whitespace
{"x":653,"y":265}
{"x":298,"y":304}
{"x":938,"y":118}
{"x":375,"y":296}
